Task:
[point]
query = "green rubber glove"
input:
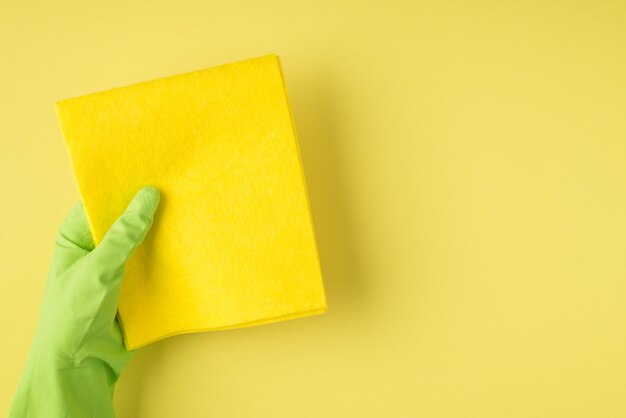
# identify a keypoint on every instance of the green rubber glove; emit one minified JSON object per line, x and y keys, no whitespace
{"x":78,"y":352}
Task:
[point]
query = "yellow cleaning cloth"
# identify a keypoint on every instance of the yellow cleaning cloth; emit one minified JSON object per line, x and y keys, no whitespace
{"x":232,"y":244}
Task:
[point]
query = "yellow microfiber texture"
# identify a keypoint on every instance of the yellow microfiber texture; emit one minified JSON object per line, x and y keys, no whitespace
{"x":233,"y":243}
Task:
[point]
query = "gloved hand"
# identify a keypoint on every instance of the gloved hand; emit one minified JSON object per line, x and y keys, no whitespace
{"x":78,"y":352}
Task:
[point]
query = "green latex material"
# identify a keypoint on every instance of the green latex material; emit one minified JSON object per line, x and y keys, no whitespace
{"x":78,"y":351}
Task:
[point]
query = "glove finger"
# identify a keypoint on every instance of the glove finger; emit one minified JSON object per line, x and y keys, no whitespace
{"x":73,"y":240}
{"x":129,"y":230}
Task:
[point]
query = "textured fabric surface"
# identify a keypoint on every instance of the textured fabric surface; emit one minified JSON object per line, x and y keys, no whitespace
{"x":233,"y":241}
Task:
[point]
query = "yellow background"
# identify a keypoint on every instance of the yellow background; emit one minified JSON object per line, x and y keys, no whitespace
{"x":466,"y":164}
